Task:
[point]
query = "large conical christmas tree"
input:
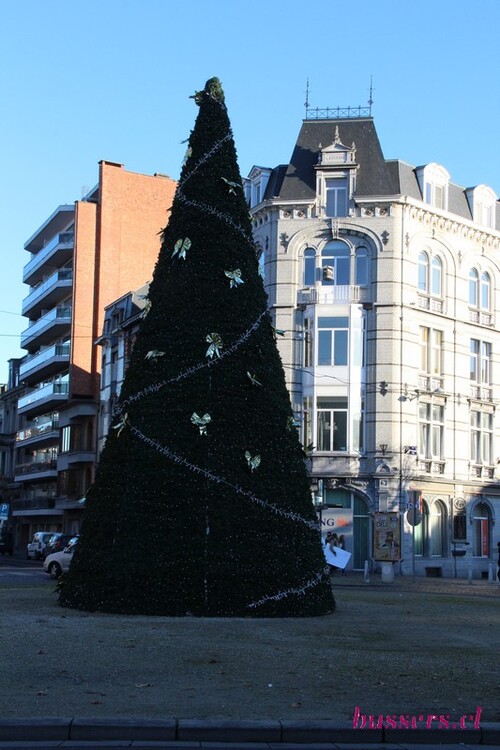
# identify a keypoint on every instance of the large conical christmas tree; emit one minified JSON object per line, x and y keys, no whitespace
{"x":201,"y":503}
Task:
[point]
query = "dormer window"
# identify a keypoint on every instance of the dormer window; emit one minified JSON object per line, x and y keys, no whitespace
{"x":336,"y":196}
{"x":434,"y":181}
{"x":335,"y":177}
{"x":482,"y":202}
{"x":255,"y":185}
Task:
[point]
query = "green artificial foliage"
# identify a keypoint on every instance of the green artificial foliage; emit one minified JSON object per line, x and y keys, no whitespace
{"x":201,"y":503}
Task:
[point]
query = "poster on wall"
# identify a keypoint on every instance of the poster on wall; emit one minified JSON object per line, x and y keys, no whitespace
{"x":386,"y":537}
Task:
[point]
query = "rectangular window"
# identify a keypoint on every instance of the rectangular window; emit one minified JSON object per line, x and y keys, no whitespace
{"x":431,"y":346}
{"x":336,"y":197}
{"x":480,"y":362}
{"x":332,"y":423}
{"x":308,"y":343}
{"x":333,"y":341}
{"x":65,"y":439}
{"x":431,"y":431}
{"x":481,"y":437}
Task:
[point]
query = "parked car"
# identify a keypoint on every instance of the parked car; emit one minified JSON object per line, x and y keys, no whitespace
{"x":57,"y":543}
{"x":37,"y":545}
{"x":58,"y":562}
{"x":6,"y":543}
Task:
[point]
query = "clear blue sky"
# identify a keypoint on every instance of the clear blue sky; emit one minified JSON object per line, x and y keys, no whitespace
{"x":85,"y":80}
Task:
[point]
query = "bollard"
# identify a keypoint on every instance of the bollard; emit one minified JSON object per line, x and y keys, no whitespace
{"x":387,"y":572}
{"x":491,"y":573}
{"x":469,"y":572}
{"x":366,"y":574}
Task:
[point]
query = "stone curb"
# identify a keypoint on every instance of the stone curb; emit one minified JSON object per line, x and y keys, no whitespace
{"x":203,"y":732}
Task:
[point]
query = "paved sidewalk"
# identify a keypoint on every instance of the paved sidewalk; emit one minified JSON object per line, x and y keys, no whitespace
{"x":420,"y":584}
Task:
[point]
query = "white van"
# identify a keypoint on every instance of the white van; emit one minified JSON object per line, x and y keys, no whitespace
{"x":37,"y":545}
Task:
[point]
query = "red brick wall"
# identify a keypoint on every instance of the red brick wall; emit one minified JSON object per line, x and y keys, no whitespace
{"x":116,"y":246}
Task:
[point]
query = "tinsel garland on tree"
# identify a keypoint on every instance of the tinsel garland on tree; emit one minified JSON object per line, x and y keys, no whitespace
{"x":201,"y":503}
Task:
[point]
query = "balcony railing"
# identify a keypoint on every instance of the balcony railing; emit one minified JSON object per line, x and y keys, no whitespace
{"x":39,"y":292}
{"x":481,"y":392}
{"x":35,"y":503}
{"x":63,"y":239}
{"x":331,"y":295}
{"x":37,"y":430}
{"x":44,"y":392}
{"x":36,"y":467}
{"x":60,"y":315}
{"x":59,"y":352}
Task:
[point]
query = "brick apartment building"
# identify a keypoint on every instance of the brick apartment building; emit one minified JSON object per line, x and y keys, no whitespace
{"x":82,"y":257}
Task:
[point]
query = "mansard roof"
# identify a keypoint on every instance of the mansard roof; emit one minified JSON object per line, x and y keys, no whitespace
{"x":373,"y":175}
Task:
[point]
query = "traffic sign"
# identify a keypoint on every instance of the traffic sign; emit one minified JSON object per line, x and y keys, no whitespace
{"x":413,"y":516}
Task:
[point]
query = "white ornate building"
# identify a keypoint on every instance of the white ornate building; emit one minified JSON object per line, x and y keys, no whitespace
{"x":386,"y":280}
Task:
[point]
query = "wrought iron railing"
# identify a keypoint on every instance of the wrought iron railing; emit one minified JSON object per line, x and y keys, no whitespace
{"x":337,"y":113}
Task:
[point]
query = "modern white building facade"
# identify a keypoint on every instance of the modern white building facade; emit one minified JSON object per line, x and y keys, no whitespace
{"x":385,"y":279}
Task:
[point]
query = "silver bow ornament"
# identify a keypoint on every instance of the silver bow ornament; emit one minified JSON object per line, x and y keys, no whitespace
{"x":181,"y":247}
{"x":253,"y":463}
{"x":235,"y":277}
{"x":201,"y":422}
{"x":215,"y":342}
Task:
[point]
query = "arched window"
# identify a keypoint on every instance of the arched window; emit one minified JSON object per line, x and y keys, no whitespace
{"x":335,"y":263}
{"x":473,"y":288}
{"x":436,"y":276}
{"x":361,"y":267}
{"x":485,"y":291}
{"x":420,"y":531}
{"x":481,"y":522}
{"x":423,"y":272}
{"x":309,"y":266}
{"x":437,"y":529}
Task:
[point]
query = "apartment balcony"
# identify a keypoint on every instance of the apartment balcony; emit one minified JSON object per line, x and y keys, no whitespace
{"x":33,"y":504}
{"x":75,"y":458}
{"x":38,"y":433}
{"x":50,"y":326}
{"x":45,"y":363}
{"x":36,"y":470}
{"x":49,"y":292}
{"x":335,"y":464}
{"x":55,"y":254}
{"x":44,"y":398}
{"x":332,"y":295}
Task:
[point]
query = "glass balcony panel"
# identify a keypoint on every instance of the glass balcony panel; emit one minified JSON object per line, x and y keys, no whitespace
{"x":47,"y":291}
{"x":43,"y":392}
{"x":58,"y":316}
{"x":58,"y":250}
{"x":37,"y":430}
{"x":57,"y":354}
